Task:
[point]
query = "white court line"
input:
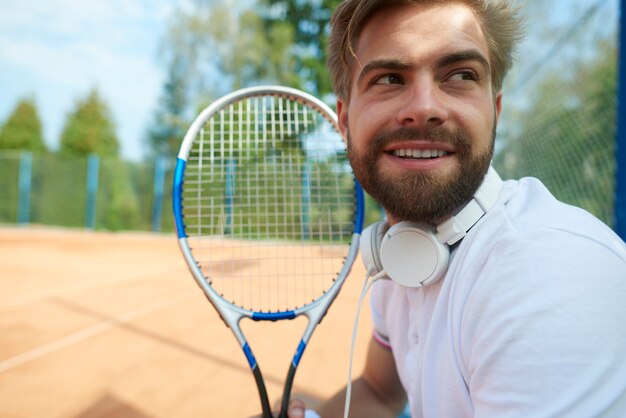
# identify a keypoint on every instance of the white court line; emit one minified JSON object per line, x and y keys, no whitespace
{"x":84,"y":334}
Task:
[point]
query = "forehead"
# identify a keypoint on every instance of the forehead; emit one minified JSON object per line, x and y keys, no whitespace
{"x":420,"y":31}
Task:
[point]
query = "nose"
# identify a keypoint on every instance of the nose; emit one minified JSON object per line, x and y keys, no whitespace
{"x":422,"y":105}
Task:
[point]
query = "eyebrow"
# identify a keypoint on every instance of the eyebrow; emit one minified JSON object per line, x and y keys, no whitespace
{"x":401,"y":65}
{"x":461,"y":56}
{"x":387,"y":64}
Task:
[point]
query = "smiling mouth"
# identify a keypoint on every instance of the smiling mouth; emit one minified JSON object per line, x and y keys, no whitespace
{"x":419,"y":154}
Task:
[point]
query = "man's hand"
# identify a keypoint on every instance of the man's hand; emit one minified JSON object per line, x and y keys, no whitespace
{"x":296,"y":409}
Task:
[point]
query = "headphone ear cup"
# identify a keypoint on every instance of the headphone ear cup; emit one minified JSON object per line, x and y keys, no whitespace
{"x":370,"y":242}
{"x":412,"y":256}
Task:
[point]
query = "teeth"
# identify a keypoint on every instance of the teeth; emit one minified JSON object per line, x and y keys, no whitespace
{"x":415,"y":153}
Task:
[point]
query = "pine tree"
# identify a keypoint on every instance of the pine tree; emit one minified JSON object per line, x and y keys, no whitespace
{"x":89,"y":129}
{"x":22,"y":130}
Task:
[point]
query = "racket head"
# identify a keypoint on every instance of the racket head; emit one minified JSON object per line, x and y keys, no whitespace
{"x":267,"y":210}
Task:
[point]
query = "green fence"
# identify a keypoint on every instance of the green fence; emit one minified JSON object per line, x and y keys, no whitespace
{"x":93,"y":192}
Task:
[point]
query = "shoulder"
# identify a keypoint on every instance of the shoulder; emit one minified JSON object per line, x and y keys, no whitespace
{"x":535,"y":264}
{"x":529,"y":222}
{"x":538,"y":291}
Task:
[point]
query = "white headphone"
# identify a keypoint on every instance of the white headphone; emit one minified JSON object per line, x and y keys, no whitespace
{"x":416,"y":254}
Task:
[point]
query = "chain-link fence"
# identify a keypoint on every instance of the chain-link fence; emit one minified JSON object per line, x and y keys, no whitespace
{"x":559,"y":118}
{"x":85,"y":192}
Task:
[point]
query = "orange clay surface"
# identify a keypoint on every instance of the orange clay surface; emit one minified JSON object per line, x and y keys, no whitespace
{"x":96,"y":324}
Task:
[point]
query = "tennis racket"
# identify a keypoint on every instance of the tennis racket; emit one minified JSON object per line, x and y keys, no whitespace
{"x":268,"y":212}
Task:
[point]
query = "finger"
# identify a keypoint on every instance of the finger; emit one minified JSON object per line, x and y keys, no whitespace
{"x":296,"y":409}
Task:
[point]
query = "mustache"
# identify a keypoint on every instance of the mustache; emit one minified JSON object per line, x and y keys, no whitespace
{"x":455,"y":138}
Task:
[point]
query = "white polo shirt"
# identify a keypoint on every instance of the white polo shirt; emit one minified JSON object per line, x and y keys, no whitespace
{"x":529,"y":322}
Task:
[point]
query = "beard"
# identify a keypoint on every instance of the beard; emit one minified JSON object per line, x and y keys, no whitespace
{"x":421,"y":196}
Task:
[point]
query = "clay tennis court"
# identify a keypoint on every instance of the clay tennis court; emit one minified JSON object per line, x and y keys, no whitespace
{"x":96,"y":324}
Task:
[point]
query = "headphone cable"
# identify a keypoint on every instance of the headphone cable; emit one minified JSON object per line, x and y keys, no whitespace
{"x":367,"y":284}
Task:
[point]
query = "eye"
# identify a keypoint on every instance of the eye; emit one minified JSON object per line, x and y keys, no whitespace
{"x":388,"y":79}
{"x":464,"y":75}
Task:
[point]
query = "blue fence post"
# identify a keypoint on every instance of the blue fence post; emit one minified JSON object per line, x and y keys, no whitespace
{"x":620,"y":143}
{"x":157,"y":193}
{"x":24,"y":186}
{"x":230,"y":192}
{"x":93,"y":167}
{"x":306,"y":201}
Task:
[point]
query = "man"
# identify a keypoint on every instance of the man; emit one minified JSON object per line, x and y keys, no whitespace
{"x":529,"y":319}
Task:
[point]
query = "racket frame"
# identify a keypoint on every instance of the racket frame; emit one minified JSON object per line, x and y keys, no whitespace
{"x":232,"y":314}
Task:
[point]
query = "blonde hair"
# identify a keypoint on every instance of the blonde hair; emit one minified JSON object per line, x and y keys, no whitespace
{"x":500,"y":20}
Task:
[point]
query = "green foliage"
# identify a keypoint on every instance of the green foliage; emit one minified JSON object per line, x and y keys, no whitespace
{"x":309,"y":23}
{"x":210,"y":50}
{"x":89,"y":129}
{"x":226,"y":48}
{"x":169,"y":122}
{"x":22,"y":130}
{"x":9,"y":194}
{"x":214,"y":48}
{"x":255,"y":55}
{"x":118,"y":205}
{"x":280,"y":66}
{"x":570,"y":143}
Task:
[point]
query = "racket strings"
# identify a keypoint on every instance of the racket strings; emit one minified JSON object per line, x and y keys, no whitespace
{"x":268,"y":200}
{"x":280,"y":210}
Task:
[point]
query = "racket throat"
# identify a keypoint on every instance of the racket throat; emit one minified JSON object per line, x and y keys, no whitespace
{"x":260,"y":384}
{"x":287,"y":391}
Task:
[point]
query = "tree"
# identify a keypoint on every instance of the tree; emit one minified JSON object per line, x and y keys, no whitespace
{"x":200,"y":50}
{"x":22,"y":130}
{"x":225,"y":47}
{"x":309,"y":21}
{"x":211,"y":49}
{"x":118,"y":199}
{"x":169,"y":124}
{"x":89,"y":129}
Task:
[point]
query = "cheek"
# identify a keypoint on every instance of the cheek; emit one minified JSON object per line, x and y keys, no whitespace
{"x":479,"y":124}
{"x":363,"y":123}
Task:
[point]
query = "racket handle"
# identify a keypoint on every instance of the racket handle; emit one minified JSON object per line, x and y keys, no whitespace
{"x":265,"y":404}
{"x":287,"y":391}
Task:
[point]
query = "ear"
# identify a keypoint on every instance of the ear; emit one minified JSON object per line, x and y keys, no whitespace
{"x":498,"y":106}
{"x":342,"y":118}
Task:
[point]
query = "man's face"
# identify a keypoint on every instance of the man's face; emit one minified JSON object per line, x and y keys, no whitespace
{"x":420,"y":121}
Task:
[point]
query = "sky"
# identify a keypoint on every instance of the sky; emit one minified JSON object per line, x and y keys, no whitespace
{"x":57,"y":51}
